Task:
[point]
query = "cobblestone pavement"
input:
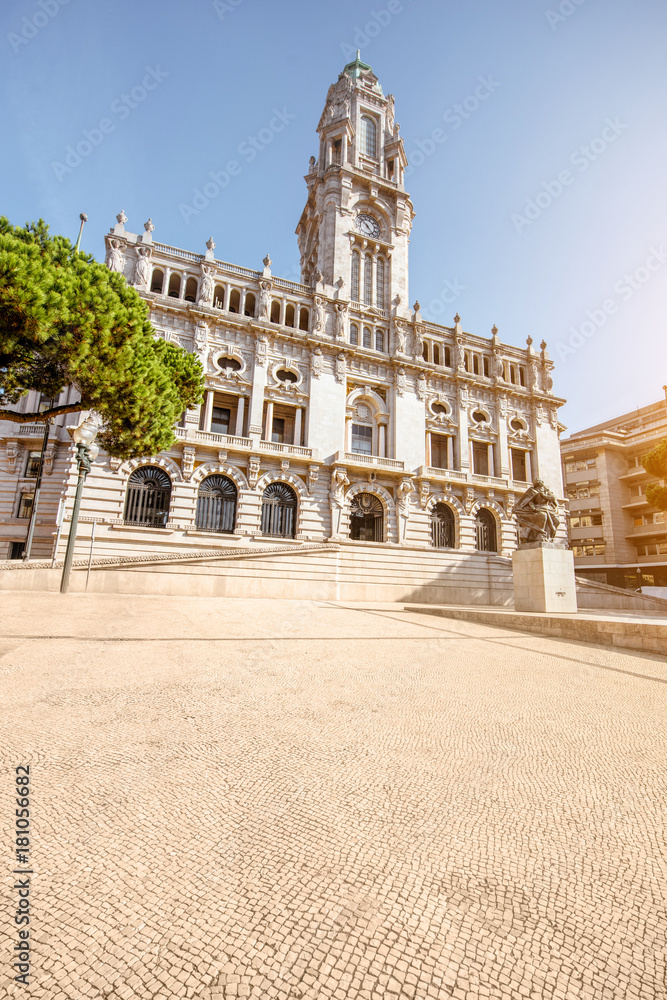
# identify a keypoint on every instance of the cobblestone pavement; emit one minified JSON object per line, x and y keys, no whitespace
{"x":285,"y":799}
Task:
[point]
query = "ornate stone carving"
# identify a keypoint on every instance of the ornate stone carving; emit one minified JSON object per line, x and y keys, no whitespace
{"x":313,"y":476}
{"x":148,"y":226}
{"x":121,"y":218}
{"x":210,"y":245}
{"x":253,"y":469}
{"x":316,"y":362}
{"x":262,"y":350}
{"x":401,"y":338}
{"x":318,"y":316}
{"x":49,"y":457}
{"x":400,"y":381}
{"x":421,"y":386}
{"x":418,"y":343}
{"x":115,"y":463}
{"x":201,"y":341}
{"x":403,"y":492}
{"x":340,"y":368}
{"x":460,"y":355}
{"x":141,"y":267}
{"x":341,"y":320}
{"x":337,"y":486}
{"x":267,"y":262}
{"x":284,"y":464}
{"x":424,"y":493}
{"x":536,"y":513}
{"x":468,"y":499}
{"x":188,"y":460}
{"x":114,"y":259}
{"x":206,"y":287}
{"x":264,"y":305}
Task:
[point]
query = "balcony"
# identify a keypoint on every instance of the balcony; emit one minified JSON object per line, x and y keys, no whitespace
{"x":633,"y":474}
{"x":220,"y":441}
{"x":359,"y":458}
{"x":280,"y":448}
{"x":31,"y":430}
{"x":647,"y":531}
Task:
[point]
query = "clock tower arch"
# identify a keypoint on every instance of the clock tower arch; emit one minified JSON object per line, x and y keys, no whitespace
{"x":357,"y":219}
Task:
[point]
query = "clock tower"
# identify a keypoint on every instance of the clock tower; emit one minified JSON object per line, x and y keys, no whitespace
{"x":355,"y":228}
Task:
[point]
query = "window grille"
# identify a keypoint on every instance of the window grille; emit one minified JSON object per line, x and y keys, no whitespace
{"x":216,"y":504}
{"x":279,"y":506}
{"x":368,"y":136}
{"x":148,"y":497}
{"x":442,"y":527}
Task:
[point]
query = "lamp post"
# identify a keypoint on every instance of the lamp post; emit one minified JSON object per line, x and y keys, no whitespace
{"x":86,"y":453}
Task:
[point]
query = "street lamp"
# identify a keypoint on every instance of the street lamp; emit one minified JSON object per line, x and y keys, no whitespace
{"x":86,"y":453}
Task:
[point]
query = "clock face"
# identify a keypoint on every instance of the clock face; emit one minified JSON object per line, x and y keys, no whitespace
{"x":367,"y":225}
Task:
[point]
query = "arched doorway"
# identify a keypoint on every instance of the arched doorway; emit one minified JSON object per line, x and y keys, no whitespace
{"x":148,"y":497}
{"x":279,"y":506}
{"x":443,"y":527}
{"x":216,"y":504}
{"x":366,"y":518}
{"x":485,"y":525}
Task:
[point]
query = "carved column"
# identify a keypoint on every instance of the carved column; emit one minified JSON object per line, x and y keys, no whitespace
{"x":297,"y":427}
{"x":208,"y":411}
{"x":240,"y":412}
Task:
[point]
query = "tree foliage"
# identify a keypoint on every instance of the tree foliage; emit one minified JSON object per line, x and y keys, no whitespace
{"x":66,"y":320}
{"x":655,"y":463}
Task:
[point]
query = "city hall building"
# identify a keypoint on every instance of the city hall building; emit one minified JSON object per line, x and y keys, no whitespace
{"x":333,"y":410}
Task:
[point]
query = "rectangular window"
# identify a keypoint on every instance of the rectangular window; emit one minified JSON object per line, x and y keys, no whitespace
{"x":16,"y":550}
{"x":220,"y":420}
{"x":32,"y":465}
{"x":278,"y":430}
{"x":336,"y":151}
{"x":379,"y":340}
{"x":368,"y":281}
{"x":519,"y":465}
{"x":362,"y":439}
{"x":438,"y":451}
{"x":367,"y":337}
{"x":480,"y":458}
{"x":25,"y":505}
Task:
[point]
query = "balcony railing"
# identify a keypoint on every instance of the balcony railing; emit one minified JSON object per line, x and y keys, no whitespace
{"x":281,"y":448}
{"x":360,"y":458}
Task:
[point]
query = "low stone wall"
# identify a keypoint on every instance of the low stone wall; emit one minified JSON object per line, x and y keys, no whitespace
{"x":591,"y":595}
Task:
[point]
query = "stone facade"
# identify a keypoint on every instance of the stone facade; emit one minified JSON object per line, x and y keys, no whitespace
{"x":333,"y":410}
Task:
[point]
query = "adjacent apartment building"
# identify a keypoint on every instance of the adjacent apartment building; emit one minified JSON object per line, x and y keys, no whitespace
{"x":333,"y":409}
{"x":617,"y":537}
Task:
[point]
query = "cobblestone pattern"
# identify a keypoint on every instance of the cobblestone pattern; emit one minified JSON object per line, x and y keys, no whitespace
{"x":346,"y":803}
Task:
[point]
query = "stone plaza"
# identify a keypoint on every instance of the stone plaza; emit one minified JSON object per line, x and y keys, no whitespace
{"x":303,"y":799}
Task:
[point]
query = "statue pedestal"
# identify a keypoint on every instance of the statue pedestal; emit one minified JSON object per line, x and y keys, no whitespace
{"x":544,"y":578}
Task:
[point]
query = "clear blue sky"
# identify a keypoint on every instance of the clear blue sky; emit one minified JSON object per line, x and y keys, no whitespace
{"x":557,"y":73}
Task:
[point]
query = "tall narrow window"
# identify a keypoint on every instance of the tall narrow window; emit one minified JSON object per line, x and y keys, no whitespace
{"x":368,"y":280}
{"x":336,"y":150}
{"x":157,"y":281}
{"x":379,"y":340}
{"x":362,"y":439}
{"x":356,"y":267}
{"x":379,"y":283}
{"x":216,"y":504}
{"x":148,"y":496}
{"x":368,"y":136}
{"x":354,"y":333}
{"x":367,"y":337}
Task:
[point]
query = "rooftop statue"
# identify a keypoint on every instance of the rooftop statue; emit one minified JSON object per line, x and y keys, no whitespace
{"x":536,"y":513}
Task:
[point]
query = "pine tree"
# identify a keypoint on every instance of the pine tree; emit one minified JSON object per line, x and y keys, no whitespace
{"x":66,"y":320}
{"x":655,"y":463}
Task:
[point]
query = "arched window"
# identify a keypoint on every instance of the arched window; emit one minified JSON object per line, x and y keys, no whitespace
{"x":279,"y":510}
{"x":436,"y":354}
{"x":219,"y":297}
{"x":485,"y":528}
{"x":275,"y":311}
{"x":367,"y":337}
{"x":368,"y":136}
{"x":174,"y":285}
{"x":249,"y":304}
{"x":356,"y":268}
{"x":216,"y":504}
{"x":368,"y":280}
{"x":448,"y":358}
{"x":443,"y":527}
{"x":486,"y":366}
{"x":425,"y":350}
{"x":148,"y":497}
{"x":466,"y":361}
{"x":522,"y":376}
{"x":366,"y":518}
{"x":290,"y":315}
{"x":191,"y":290}
{"x":513,"y":378}
{"x":235,"y":301}
{"x":354,"y":333}
{"x":379,"y":283}
{"x":303,"y":318}
{"x":157,"y":280}
{"x":475,"y":364}
{"x":379,"y":340}
{"x":361,"y":439}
